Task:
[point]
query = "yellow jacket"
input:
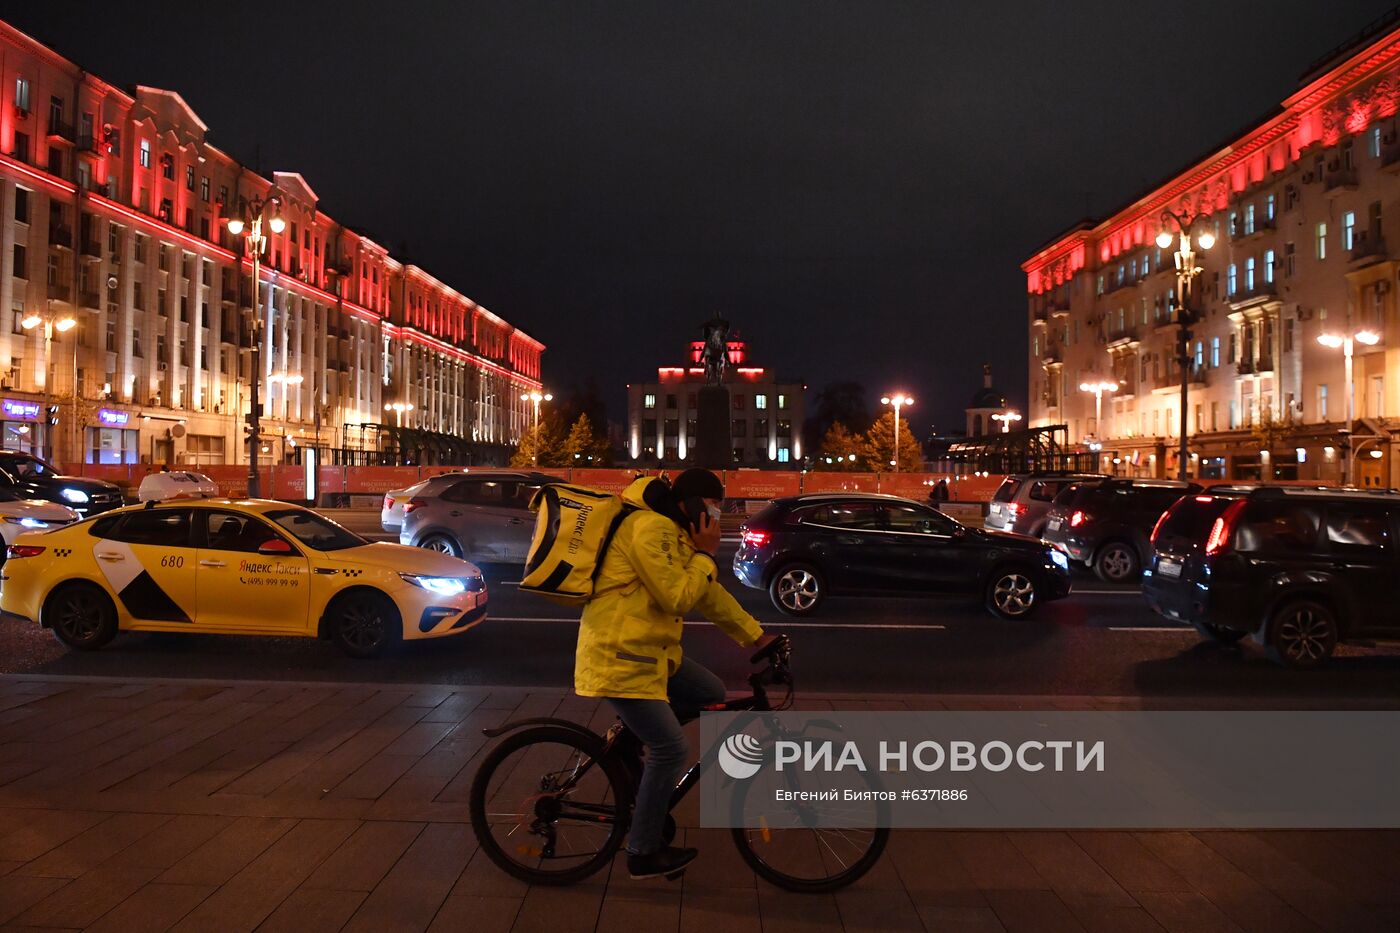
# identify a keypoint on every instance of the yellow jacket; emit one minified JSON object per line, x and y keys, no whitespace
{"x":629,"y":641}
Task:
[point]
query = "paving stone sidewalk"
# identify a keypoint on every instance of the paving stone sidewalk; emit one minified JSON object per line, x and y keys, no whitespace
{"x":209,"y":806}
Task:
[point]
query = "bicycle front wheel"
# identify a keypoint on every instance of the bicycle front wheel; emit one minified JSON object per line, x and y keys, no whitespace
{"x":808,"y":849}
{"x":548,"y":807}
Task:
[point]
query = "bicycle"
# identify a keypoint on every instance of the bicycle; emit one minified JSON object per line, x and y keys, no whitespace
{"x":571,"y":818}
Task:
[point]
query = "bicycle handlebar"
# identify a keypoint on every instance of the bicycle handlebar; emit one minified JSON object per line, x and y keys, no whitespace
{"x":778,"y":650}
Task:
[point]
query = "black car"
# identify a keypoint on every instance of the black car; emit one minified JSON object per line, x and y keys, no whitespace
{"x":804,"y":548}
{"x":1106,"y":524}
{"x":23,"y":476}
{"x":1299,"y":569}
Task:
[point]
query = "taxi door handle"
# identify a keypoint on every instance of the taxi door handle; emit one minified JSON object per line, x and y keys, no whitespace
{"x":109,"y":556}
{"x":212,"y":563}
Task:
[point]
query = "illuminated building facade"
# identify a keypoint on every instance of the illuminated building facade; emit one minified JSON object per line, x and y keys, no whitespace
{"x":766,"y":414}
{"x":112,"y":214}
{"x":1304,"y":208}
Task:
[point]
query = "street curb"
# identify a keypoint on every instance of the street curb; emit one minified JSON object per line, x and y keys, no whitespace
{"x":894,"y":701}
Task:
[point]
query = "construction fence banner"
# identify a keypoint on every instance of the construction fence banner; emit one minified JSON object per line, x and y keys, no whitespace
{"x":289,"y":481}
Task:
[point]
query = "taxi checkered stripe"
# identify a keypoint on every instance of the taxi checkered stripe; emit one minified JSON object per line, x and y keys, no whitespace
{"x":62,"y":552}
{"x":352,"y":573}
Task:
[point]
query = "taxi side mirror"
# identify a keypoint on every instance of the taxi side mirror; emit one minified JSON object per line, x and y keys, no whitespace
{"x":275,"y":546}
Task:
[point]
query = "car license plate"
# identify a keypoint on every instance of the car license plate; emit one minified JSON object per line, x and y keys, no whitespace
{"x":1053,"y":524}
{"x":1169,"y":568}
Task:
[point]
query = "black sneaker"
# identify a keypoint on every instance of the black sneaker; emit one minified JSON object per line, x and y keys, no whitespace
{"x":666,"y":862}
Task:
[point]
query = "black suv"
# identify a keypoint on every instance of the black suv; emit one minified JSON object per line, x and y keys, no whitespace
{"x":1299,"y":569}
{"x":1106,"y":524}
{"x":801,"y":549}
{"x":26,"y":477}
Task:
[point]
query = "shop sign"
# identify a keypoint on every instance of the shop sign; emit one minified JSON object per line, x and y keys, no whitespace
{"x":17,"y":408}
{"x":113,"y":418}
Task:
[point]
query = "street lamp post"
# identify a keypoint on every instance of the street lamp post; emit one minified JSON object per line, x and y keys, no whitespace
{"x":62,"y":323}
{"x":1346,"y":343}
{"x":897,"y":402}
{"x":536,"y":397}
{"x":1098,"y":387}
{"x":398,"y":408}
{"x":1006,"y":417}
{"x":250,"y":217}
{"x":1186,"y":272}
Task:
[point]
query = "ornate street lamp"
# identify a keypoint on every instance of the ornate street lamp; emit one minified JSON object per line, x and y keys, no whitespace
{"x":61,"y":323}
{"x":897,"y":402}
{"x":250,"y":218}
{"x":537,"y":396}
{"x":1345,"y":342}
{"x":1186,"y":315}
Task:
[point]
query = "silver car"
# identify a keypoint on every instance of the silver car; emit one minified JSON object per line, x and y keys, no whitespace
{"x":481,"y":515}
{"x":1023,"y":500}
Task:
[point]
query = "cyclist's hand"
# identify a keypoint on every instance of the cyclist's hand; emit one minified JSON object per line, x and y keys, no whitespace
{"x":705,"y":535}
{"x":765,"y":645}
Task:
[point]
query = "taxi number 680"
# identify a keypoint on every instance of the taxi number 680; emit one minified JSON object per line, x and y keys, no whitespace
{"x":172,"y":560}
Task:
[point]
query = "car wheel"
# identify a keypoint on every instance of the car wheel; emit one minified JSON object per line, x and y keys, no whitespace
{"x":1011,"y":593}
{"x":81,"y":616}
{"x":1224,"y":636}
{"x":797,"y":589}
{"x":1117,"y":562}
{"x":442,"y":544}
{"x":1302,"y":634}
{"x":365,"y":623}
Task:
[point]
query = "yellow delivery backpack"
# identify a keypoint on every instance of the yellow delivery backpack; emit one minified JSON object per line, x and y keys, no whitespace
{"x":573,"y":527}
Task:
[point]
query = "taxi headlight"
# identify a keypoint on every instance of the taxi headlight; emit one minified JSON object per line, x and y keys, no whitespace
{"x":25,"y":521}
{"x":76,"y":496}
{"x":440,"y":586}
{"x":1059,"y":559}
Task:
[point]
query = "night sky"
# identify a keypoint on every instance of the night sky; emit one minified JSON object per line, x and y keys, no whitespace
{"x":853,"y":184}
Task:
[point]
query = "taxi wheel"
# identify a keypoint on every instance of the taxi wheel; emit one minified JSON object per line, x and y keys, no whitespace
{"x":365,"y":623}
{"x":81,"y":616}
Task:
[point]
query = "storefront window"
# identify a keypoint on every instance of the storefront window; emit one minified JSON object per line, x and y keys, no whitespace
{"x":112,"y":445}
{"x":23,"y":437}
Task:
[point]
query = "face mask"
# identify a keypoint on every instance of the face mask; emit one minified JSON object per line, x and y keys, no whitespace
{"x":714,"y":511}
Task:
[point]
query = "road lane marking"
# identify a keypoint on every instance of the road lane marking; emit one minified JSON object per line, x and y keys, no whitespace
{"x":1079,"y":592}
{"x":1151,"y":628}
{"x":933,"y":626}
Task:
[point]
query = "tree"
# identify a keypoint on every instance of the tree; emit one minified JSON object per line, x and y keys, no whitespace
{"x":837,"y":403}
{"x":839,"y":446}
{"x":548,"y":438}
{"x":878,"y":448}
{"x":585,"y":446}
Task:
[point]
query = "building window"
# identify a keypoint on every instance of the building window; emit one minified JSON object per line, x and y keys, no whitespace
{"x":189,"y":177}
{"x":1200,"y":360}
{"x":649,"y":400}
{"x":1268,"y":265}
{"x":145,"y":153}
{"x":1249,"y":274}
{"x":1269,"y":204}
{"x":21,"y":205}
{"x":782,"y":402}
{"x":136,"y":343}
{"x":670,"y":401}
{"x":1373,"y":140}
{"x":1230,"y":279}
{"x":1214,"y":352}
{"x":1290,"y":262}
{"x":22,"y":94}
{"x":21,"y":261}
{"x":204,"y":189}
{"x":1098,"y":290}
{"x":739,"y":428}
{"x":738,"y":403}
{"x":783,"y":455}
{"x":760,"y":402}
{"x":1321,"y":241}
{"x":111,"y":336}
{"x":1349,"y":230}
{"x":1248,"y":219}
{"x":1322,"y":401}
{"x":167,"y":166}
{"x":1234,"y":224}
{"x":139,"y":251}
{"x":17,"y":317}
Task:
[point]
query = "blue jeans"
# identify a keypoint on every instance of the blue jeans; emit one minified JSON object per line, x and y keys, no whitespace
{"x":657,"y":724}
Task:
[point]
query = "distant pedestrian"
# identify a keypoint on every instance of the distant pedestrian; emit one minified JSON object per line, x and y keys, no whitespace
{"x":939,"y":492}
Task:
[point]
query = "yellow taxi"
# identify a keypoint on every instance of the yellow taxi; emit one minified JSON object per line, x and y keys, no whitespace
{"x":234,"y":567}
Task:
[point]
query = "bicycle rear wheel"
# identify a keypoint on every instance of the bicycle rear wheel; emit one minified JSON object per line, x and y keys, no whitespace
{"x":548,"y":807}
{"x":808,"y":850}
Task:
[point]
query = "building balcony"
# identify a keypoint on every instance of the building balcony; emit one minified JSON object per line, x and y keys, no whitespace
{"x":60,"y":132}
{"x":1040,"y":315}
{"x":1261,"y":292}
{"x":1051,"y":355}
{"x":91,"y":300}
{"x":1200,"y":376}
{"x":1337,"y":180}
{"x":1390,"y":157}
{"x":60,"y":292}
{"x":91,"y":249}
{"x":1367,"y":249}
{"x":338,"y":267}
{"x":61,"y":235}
{"x":1262,"y":225}
{"x":228,"y":292}
{"x":1058,"y":308}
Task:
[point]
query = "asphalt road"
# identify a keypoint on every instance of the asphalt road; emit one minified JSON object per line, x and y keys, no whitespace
{"x":1102,"y":641}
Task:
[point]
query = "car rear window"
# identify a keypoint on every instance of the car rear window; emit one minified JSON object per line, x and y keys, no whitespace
{"x":1192,"y":517}
{"x":1045,"y":490}
{"x":1067,"y":495}
{"x":1279,"y":528}
{"x":1007,"y":491}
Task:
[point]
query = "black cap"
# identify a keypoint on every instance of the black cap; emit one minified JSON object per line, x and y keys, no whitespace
{"x":701,"y":484}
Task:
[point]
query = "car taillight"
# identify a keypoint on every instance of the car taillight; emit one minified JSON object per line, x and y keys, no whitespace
{"x":755,"y":538}
{"x":23,"y":550}
{"x":1077,"y":518}
{"x":1158,"y":527}
{"x":388,"y":502}
{"x":414,"y":503}
{"x":1014,"y":508}
{"x":1219,"y":537}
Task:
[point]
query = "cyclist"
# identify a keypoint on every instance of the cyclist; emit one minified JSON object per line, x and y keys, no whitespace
{"x":660,"y":565}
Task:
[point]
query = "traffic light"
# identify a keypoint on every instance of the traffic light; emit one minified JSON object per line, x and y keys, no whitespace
{"x":53,"y":414}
